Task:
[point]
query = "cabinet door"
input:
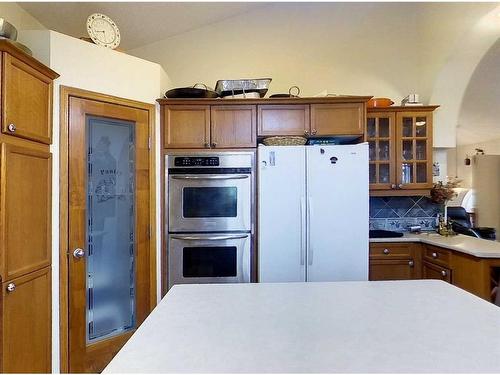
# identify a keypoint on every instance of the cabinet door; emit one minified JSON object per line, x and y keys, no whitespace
{"x":283,"y":120}
{"x":392,"y":269}
{"x":380,"y":135}
{"x":414,"y":150}
{"x":26,"y":101}
{"x":433,"y":271}
{"x":233,"y":126}
{"x":26,"y":323}
{"x":337,"y":119}
{"x":186,"y":126}
{"x":25,"y":197}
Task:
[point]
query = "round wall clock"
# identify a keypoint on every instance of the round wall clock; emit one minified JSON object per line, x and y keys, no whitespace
{"x":103,"y":31}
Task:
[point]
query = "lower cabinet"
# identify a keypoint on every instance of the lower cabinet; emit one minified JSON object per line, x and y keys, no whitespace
{"x":392,"y":269}
{"x":26,"y":323}
{"x":434,"y":271}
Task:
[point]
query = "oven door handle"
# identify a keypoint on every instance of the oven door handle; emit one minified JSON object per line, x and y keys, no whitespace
{"x":222,"y":177}
{"x":212,"y":238}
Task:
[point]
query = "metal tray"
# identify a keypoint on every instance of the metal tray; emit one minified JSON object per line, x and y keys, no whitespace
{"x":231,"y":87}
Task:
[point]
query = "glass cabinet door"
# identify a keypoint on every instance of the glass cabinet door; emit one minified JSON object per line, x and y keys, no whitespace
{"x":414,"y":150}
{"x":380,"y":135}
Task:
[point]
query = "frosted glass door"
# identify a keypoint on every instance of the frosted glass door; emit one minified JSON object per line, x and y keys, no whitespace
{"x":110,"y":227}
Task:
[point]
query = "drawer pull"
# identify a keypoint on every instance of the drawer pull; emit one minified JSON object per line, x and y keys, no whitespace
{"x":11,"y":128}
{"x":386,"y":251}
{"x":11,"y":287}
{"x":435,"y":255}
{"x":444,"y":273}
{"x":411,"y":263}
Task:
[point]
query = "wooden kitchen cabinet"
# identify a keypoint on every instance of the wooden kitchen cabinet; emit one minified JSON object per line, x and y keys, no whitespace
{"x":186,"y":126}
{"x":25,"y":236}
{"x":394,"y":261}
{"x":337,"y":119}
{"x":25,"y":212}
{"x":283,"y":119}
{"x":400,"y":150}
{"x":233,"y":126}
{"x":26,"y":99}
{"x":26,"y":323}
{"x":434,"y":271}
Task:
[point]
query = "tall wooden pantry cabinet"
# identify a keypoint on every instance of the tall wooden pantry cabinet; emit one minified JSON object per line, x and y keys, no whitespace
{"x":25,"y":212}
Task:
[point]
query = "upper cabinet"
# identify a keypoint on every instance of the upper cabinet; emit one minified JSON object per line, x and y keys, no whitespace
{"x":233,"y":123}
{"x":26,"y":98}
{"x":400,"y":150}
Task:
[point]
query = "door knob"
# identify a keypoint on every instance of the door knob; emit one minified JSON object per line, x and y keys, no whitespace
{"x":79,"y":253}
{"x":214,"y":144}
{"x":393,"y":186}
{"x":11,"y":128}
{"x":207,"y":145}
{"x":313,"y":132}
{"x":306,"y":132}
{"x":400,"y":186}
{"x":11,"y":287}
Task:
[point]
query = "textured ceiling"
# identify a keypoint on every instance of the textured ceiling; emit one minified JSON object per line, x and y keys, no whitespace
{"x":139,"y":23}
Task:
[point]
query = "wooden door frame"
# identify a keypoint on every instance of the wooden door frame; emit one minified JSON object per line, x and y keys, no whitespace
{"x":65,"y":93}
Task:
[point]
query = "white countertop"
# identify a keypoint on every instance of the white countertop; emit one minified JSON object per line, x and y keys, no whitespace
{"x":465,"y":244}
{"x":385,"y":326}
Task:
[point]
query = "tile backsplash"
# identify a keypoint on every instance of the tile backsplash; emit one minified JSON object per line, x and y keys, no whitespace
{"x":399,"y":213}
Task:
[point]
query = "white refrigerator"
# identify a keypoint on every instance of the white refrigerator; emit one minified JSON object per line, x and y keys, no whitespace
{"x":313,"y":213}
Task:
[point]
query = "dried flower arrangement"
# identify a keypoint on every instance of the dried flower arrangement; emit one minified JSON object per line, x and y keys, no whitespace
{"x":441,"y":192}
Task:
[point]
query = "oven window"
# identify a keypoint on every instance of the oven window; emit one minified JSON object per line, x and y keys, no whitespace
{"x":209,"y":201}
{"x":209,"y":261}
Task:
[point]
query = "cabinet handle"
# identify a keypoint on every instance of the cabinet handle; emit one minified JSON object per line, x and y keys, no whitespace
{"x":214,"y":144}
{"x":207,"y":145}
{"x":306,"y":132}
{"x":313,"y":132}
{"x":444,"y":273}
{"x":393,"y":186}
{"x":386,"y":251}
{"x":11,"y":287}
{"x":78,"y":253}
{"x":400,"y":186}
{"x":11,"y":128}
{"x":411,"y":263}
{"x":435,"y":255}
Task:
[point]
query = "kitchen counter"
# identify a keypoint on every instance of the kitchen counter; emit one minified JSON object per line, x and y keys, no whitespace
{"x":465,"y":244}
{"x":390,"y":326}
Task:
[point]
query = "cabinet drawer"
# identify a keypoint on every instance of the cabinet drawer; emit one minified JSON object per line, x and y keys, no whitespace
{"x":390,"y":250}
{"x":337,"y":119}
{"x":437,"y":255}
{"x":283,"y":119}
{"x":392,"y":269}
{"x":26,"y":101}
{"x":434,"y":271}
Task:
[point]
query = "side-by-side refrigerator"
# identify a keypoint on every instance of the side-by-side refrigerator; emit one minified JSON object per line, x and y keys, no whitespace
{"x":313,"y":213}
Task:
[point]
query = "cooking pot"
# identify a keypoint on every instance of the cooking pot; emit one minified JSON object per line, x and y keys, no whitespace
{"x":379,"y":102}
{"x":191,"y":92}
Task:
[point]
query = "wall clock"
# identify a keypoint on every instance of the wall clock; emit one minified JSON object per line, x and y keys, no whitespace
{"x":103,"y":30}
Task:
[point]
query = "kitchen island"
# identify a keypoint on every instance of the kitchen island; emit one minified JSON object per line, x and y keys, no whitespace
{"x":390,"y":326}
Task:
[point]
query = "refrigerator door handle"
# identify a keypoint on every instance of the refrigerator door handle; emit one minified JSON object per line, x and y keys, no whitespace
{"x":303,"y":224}
{"x":309,"y":230}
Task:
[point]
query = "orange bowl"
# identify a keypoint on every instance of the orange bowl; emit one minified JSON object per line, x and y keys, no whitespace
{"x":379,"y":102}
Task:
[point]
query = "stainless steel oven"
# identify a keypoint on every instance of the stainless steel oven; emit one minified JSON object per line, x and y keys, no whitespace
{"x":210,"y":213}
{"x":210,"y":192}
{"x":209,"y":258}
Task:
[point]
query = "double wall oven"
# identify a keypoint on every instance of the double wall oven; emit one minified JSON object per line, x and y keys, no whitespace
{"x":210,"y":216}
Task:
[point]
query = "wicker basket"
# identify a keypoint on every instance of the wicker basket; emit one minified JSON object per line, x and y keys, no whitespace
{"x":285,"y":141}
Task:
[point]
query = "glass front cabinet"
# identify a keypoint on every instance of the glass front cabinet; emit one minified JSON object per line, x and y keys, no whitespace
{"x":400,"y":149}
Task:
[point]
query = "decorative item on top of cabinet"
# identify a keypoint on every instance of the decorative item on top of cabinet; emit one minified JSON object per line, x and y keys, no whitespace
{"x":400,"y":141}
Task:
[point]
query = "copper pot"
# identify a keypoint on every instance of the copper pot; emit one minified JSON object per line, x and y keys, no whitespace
{"x":379,"y":102}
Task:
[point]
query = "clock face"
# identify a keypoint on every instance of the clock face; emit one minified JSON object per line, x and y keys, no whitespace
{"x":103,"y":31}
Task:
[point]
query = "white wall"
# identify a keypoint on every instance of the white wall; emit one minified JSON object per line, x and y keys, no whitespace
{"x":17,"y":16}
{"x":91,"y":67}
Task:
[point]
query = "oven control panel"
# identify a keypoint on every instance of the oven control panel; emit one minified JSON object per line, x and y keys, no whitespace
{"x":196,"y":161}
